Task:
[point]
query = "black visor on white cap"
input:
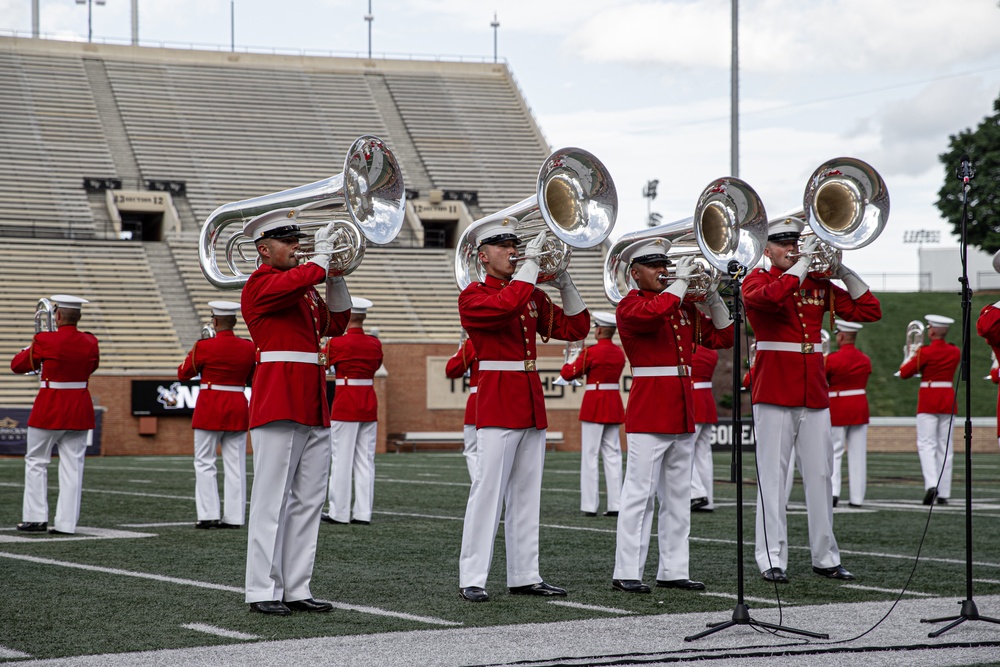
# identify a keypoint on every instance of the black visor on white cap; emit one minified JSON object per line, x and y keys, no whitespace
{"x":499,"y":238}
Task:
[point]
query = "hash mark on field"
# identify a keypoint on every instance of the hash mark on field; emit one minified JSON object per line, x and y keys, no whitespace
{"x":888,"y":590}
{"x":218,"y":632}
{"x":82,"y":533}
{"x":590,"y":607}
{"x":748,"y":598}
{"x":986,"y":581}
{"x":155,"y":525}
{"x":395,"y":614}
{"x":141,"y":481}
{"x":11,"y":653}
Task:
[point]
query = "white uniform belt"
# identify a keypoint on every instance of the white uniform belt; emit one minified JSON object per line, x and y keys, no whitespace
{"x":526,"y":365}
{"x":354,"y":382}
{"x":47,"y":384}
{"x":660,"y":371}
{"x":602,"y":386}
{"x":222,"y":387}
{"x":702,"y":385}
{"x":773,"y":346}
{"x":849,"y":392}
{"x":473,"y":390}
{"x":295,"y":357}
{"x":935,"y":385}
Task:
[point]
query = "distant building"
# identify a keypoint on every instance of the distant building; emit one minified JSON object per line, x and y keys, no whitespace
{"x":940,"y":269}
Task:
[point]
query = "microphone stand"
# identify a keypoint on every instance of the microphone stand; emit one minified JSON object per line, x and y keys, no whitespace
{"x":969,"y":611}
{"x":741,"y":613}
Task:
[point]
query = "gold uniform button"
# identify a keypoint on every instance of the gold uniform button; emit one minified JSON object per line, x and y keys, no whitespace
{"x":522,"y":317}
{"x":529,"y":351}
{"x":806,"y":336}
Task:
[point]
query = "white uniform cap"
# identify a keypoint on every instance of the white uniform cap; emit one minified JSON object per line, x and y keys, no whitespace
{"x":359,"y":305}
{"x":67,"y":301}
{"x":646,"y":252}
{"x":847,"y":326}
{"x":281,"y":223}
{"x":224,"y":308}
{"x":497,"y":231}
{"x":939,"y":321}
{"x":603,"y":319}
{"x":785,"y":229}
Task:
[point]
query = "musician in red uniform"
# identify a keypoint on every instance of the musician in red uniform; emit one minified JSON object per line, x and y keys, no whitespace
{"x":463,"y":364}
{"x":847,"y":372}
{"x":503,"y":314}
{"x":62,"y":415}
{"x":355,"y":357}
{"x":936,"y":363}
{"x":601,"y":415}
{"x":225,"y":363}
{"x":791,"y":403}
{"x":289,"y":413}
{"x":988,"y":328}
{"x":659,"y":329}
{"x":705,"y":414}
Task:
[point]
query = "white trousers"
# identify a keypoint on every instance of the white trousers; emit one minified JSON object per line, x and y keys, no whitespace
{"x":778,"y":430}
{"x":234,"y":465}
{"x":509,"y":479}
{"x":659,"y":464}
{"x":37,"y":455}
{"x":934,"y":445}
{"x":702,"y":471}
{"x":469,"y":451}
{"x":854,"y":440}
{"x":353,"y":447}
{"x":600,"y":440}
{"x":290,"y":466}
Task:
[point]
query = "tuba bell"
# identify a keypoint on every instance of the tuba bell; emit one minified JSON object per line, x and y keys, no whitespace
{"x":824,"y":344}
{"x":575,"y":198}
{"x":571,"y":353}
{"x":207,"y":331}
{"x":846,"y":205}
{"x":729,"y":225}
{"x":914,"y":341}
{"x":45,"y":315}
{"x":366,"y":202}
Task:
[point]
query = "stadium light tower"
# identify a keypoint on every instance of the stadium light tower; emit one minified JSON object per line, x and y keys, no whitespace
{"x":90,"y":15}
{"x":495,"y":25}
{"x":369,"y":17}
{"x":649,"y":192}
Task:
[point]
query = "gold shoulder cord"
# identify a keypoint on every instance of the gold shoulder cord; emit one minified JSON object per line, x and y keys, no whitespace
{"x":194,"y":363}
{"x":832,"y":299}
{"x":697,"y":329}
{"x":545,"y":338}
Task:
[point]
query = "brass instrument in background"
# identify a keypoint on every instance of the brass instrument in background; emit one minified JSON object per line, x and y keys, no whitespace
{"x":366,"y":202}
{"x":846,"y":205}
{"x":570,"y":354}
{"x":45,"y":315}
{"x":207,"y":331}
{"x":464,"y":336}
{"x":729,"y":224}
{"x":575,"y":199}
{"x":914,"y":341}
{"x":824,"y":337}
{"x":993,"y":366}
{"x":752,"y":355}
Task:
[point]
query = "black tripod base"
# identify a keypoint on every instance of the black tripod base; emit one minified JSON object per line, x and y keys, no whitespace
{"x":741,"y":616}
{"x":969,"y":613}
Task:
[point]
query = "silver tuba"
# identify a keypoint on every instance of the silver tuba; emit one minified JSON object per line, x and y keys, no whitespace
{"x":846,"y":205}
{"x":207,"y":331}
{"x":45,"y":315}
{"x":574,"y":198}
{"x":824,"y":344}
{"x":914,"y":341}
{"x":729,"y":224}
{"x":570,"y":354}
{"x":366,"y":201}
{"x":994,"y":364}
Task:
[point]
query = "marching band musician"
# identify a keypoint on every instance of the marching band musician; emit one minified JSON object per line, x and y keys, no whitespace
{"x":225,"y":363}
{"x":503,"y":314}
{"x":601,"y":415}
{"x":659,"y":330}
{"x":289,"y":413}
{"x":847,"y":372}
{"x":705,"y":414}
{"x":356,"y":357}
{"x":936,"y":363}
{"x":62,"y":415}
{"x":462,"y":362}
{"x":988,"y":327}
{"x":785,"y":306}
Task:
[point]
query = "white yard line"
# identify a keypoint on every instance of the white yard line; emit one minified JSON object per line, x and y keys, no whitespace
{"x":590,"y":607}
{"x":171,"y":524}
{"x":11,"y":653}
{"x":888,"y":590}
{"x":219,"y":632}
{"x":746,"y":598}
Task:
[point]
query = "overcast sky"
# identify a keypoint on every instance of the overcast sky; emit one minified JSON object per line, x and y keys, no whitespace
{"x":645,"y":85}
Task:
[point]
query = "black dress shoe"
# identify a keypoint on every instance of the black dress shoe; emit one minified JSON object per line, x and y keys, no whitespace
{"x":309,"y":604}
{"x":589,"y":513}
{"x":942,"y":501}
{"x":698,"y":503}
{"x":836,"y":499}
{"x":207,"y":524}
{"x":775,"y":575}
{"x":272,"y":607}
{"x":33,"y":526}
{"x":474,"y":594}
{"x":326,"y":518}
{"x":930,"y":495}
{"x":835,"y":572}
{"x":685,"y":584}
{"x":53,"y":531}
{"x":630,"y":586}
{"x":223,"y":524}
{"x":360,"y":522}
{"x":611,"y":513}
{"x":854,"y":505}
{"x":541,"y":588}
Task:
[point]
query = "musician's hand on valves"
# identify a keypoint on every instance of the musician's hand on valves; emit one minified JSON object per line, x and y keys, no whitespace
{"x":323,"y":246}
{"x":683,"y":271}
{"x":806,"y":249}
{"x":534,"y":247}
{"x":527,"y":266}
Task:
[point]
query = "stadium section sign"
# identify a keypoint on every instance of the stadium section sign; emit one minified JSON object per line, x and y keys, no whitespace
{"x":14,"y":432}
{"x":170,"y":397}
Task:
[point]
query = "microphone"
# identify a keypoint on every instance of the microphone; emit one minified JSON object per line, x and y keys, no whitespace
{"x":965,"y":171}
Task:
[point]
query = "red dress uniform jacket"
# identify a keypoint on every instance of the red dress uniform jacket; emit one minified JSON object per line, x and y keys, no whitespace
{"x":781,"y":310}
{"x":658,"y":330}
{"x":465,"y":360}
{"x":356,"y":356}
{"x":602,"y":363}
{"x":226,"y":360}
{"x":503,"y":319}
{"x":64,"y":355}
{"x":702,"y":370}
{"x":848,"y":369}
{"x":285,"y":313}
{"x":935,"y":363}
{"x":988,"y":328}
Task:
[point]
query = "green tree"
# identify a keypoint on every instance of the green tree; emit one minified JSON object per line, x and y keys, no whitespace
{"x":982,"y":145}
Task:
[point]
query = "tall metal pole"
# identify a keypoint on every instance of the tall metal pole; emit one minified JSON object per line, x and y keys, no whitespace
{"x":369,"y":17}
{"x":495,"y":25}
{"x":135,"y":22}
{"x":232,"y":25}
{"x":34,"y":18}
{"x":90,"y":20}
{"x":734,"y":88}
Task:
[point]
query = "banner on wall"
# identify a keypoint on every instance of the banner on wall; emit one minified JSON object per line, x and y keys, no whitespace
{"x":14,"y":432}
{"x":164,"y":398}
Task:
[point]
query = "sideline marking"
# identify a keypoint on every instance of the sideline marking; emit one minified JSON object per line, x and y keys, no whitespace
{"x":11,"y":653}
{"x":155,"y":525}
{"x":83,"y":533}
{"x":218,"y":632}
{"x":590,"y":607}
{"x":888,"y":590}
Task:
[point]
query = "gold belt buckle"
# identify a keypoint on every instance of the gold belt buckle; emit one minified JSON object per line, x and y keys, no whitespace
{"x":322,"y":358}
{"x":529,"y":365}
{"x":682,"y":371}
{"x":807,"y":348}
